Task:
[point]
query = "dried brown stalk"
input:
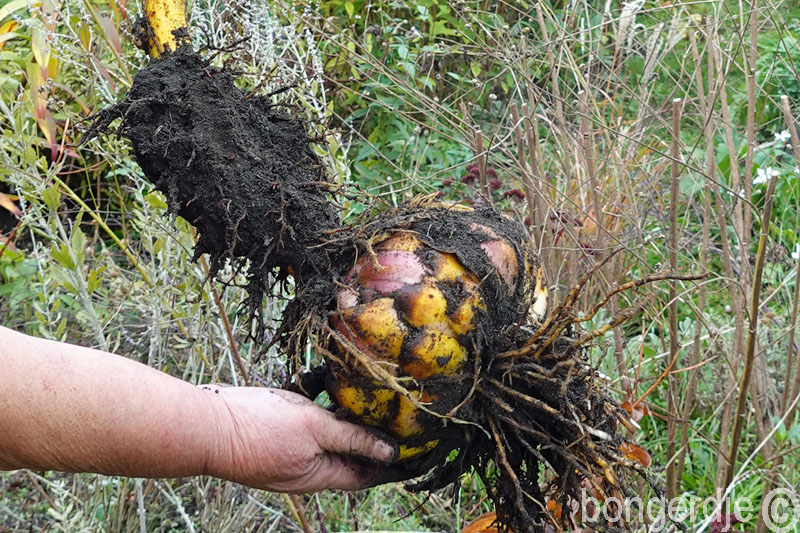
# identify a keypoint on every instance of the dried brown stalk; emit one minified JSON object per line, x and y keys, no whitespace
{"x":555,"y":81}
{"x":711,"y":168}
{"x":589,"y":156}
{"x":744,"y":383}
{"x":727,"y":262}
{"x":228,"y":330}
{"x":482,"y":156}
{"x":674,"y":341}
{"x":795,"y":387}
{"x":536,"y":189}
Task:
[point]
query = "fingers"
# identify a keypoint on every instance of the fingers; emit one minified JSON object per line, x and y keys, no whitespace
{"x":338,"y":472}
{"x":342,"y":437}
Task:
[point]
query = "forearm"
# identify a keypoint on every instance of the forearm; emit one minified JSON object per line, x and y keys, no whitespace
{"x":75,"y":409}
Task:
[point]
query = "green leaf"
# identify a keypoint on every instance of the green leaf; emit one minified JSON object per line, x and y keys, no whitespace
{"x":10,"y":7}
{"x":794,"y":434}
{"x":61,"y":330}
{"x":475,"y":67}
{"x":440,"y":28}
{"x":427,"y":82}
{"x":95,"y":279}
{"x":77,"y":242}
{"x":52,"y":197}
{"x":159,"y":244}
{"x":61,"y":254}
{"x":30,"y":155}
{"x":350,"y":8}
{"x":156,"y":200}
{"x":84,"y":33}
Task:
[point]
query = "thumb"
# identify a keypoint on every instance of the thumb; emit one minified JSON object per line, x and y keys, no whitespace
{"x":342,"y":437}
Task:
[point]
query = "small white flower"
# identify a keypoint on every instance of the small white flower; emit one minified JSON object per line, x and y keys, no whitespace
{"x":796,"y":253}
{"x":783,"y":137}
{"x":797,"y":170}
{"x":741,"y":194}
{"x":764,"y":175}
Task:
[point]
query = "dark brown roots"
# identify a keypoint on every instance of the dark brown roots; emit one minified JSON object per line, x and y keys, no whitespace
{"x":242,"y":172}
{"x":523,"y":415}
{"x":533,"y":421}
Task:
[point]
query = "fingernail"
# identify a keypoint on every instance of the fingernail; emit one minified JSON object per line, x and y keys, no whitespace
{"x":385,"y":452}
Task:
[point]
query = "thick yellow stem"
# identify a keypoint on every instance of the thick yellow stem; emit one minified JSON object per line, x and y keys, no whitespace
{"x":167,"y":24}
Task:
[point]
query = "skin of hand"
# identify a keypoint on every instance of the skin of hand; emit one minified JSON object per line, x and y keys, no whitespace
{"x":75,"y":409}
{"x":308,"y":448}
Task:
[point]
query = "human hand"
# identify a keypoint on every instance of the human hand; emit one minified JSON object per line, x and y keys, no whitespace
{"x":75,"y":409}
{"x":280,"y":441}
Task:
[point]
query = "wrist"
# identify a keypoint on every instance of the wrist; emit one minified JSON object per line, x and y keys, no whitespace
{"x":249,"y":445}
{"x":217,"y":461}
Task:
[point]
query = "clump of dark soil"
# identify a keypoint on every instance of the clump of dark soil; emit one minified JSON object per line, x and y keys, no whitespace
{"x":236,"y":167}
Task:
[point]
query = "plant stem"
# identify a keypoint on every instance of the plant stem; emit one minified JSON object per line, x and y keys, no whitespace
{"x":589,"y":155}
{"x":744,"y":383}
{"x":717,"y":73}
{"x":228,"y":330}
{"x":674,"y":344}
{"x":528,"y":180}
{"x":711,"y":167}
{"x":795,"y":388}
